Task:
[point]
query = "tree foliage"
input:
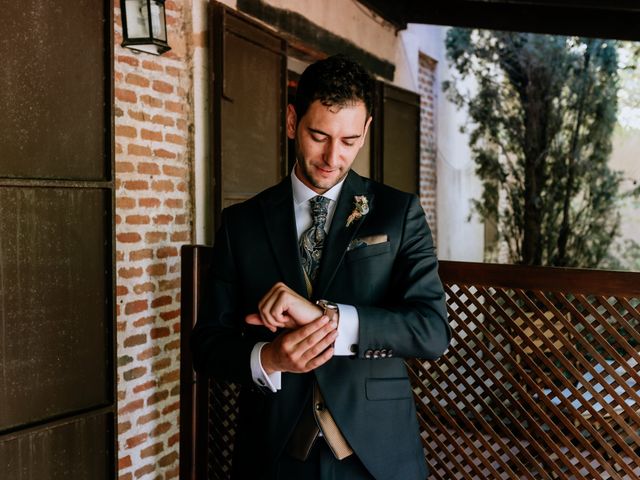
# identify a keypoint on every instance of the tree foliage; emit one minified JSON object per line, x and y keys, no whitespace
{"x":543,"y":109}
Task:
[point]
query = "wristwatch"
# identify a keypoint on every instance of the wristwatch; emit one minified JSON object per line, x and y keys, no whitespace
{"x":330,"y":308}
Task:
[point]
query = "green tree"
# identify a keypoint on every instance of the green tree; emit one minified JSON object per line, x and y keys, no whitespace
{"x":542,"y":112}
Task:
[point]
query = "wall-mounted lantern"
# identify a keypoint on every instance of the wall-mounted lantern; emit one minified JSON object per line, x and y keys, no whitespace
{"x":144,"y":26}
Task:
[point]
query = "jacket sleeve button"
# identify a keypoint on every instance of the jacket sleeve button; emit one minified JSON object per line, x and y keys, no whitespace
{"x":368,"y":353}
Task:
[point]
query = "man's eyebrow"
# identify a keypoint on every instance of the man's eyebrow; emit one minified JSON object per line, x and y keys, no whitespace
{"x":320,"y":132}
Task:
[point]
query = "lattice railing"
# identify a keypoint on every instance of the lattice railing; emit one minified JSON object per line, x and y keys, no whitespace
{"x":541,"y":380}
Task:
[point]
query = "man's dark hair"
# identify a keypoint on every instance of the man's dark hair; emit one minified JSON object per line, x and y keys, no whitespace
{"x":337,"y":80}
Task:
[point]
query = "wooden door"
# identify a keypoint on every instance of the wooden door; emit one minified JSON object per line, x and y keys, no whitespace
{"x":57,"y":373}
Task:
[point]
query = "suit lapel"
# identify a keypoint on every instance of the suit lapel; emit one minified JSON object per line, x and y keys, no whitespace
{"x":340,"y":235}
{"x":279,"y":217}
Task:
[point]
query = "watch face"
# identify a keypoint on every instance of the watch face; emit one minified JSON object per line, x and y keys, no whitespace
{"x":327,"y":304}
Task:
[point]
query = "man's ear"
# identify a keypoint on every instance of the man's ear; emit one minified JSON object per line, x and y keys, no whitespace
{"x":292,"y":121}
{"x":366,"y":129}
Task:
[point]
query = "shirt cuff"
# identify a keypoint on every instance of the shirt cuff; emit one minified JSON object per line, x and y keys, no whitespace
{"x":348,"y":327}
{"x":260,"y":377}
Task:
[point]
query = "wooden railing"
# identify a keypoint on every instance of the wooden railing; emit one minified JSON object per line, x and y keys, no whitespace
{"x":541,"y":381}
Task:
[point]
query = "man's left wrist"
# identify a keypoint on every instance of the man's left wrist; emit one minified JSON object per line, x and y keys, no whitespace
{"x":329,"y":309}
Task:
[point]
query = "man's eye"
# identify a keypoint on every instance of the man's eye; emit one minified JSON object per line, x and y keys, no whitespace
{"x":318,"y":139}
{"x":349,"y":144}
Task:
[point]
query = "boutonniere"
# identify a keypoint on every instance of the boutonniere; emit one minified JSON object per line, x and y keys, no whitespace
{"x":360,"y":208}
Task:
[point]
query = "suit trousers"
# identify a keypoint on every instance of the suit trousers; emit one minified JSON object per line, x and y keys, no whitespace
{"x":322,"y":465}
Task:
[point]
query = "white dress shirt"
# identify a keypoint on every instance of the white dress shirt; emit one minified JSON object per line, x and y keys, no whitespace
{"x":349,"y":320}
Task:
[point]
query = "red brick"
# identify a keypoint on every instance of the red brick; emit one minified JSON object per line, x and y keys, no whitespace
{"x":173,"y":71}
{"x":134,"y":373}
{"x":174,"y":171}
{"x":170,"y":315}
{"x":176,"y":107}
{"x":125,"y":203}
{"x":124,"y":167}
{"x":162,"y":153}
{"x":131,"y":407}
{"x":161,"y":301}
{"x":167,"y":252}
{"x":161,"y":429}
{"x":151,"y":135}
{"x":162,"y":87}
{"x":148,"y":353}
{"x":169,"y":377}
{"x":130,"y":237}
{"x":174,"y":203}
{"x":135,"y":115}
{"x":174,"y":345}
{"x":151,"y":101}
{"x":162,"y":186}
{"x":133,"y":340}
{"x":136,"y":307}
{"x":155,"y":237}
{"x":163,"y":120}
{"x":124,"y":427}
{"x":124,"y":462}
{"x":160,"y":332}
{"x":172,"y":473}
{"x":138,"y":150}
{"x":171,"y":408}
{"x":126,"y":131}
{"x":142,"y":419}
{"x":136,"y":185}
{"x":149,"y":202}
{"x":118,"y":219}
{"x":176,"y":327}
{"x":137,"y":80}
{"x":141,"y":322}
{"x":142,"y":471}
{"x":144,"y":288}
{"x":144,"y":386}
{"x":180,"y":236}
{"x":125,"y":476}
{"x":157,"y":397}
{"x":148,"y":168}
{"x":181,"y":124}
{"x":173,"y":439}
{"x":161,"y":364}
{"x":182,"y":187}
{"x":165,"y":285}
{"x":154,"y":449}
{"x":175,"y":268}
{"x":157,"y":269}
{"x":125,"y":95}
{"x":131,"y":272}
{"x":175,"y":391}
{"x":168,"y":459}
{"x":144,"y":254}
{"x":175,"y":139}
{"x":149,"y":65}
{"x":181,"y":219}
{"x":162,"y":219}
{"x":121,"y":290}
{"x":128,"y":60}
{"x":138,"y":219}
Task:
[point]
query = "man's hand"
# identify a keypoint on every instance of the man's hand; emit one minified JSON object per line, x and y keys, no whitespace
{"x":300,"y":350}
{"x":281,"y":307}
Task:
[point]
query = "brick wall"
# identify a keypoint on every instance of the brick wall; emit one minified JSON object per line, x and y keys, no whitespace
{"x":427,"y":88}
{"x":153,"y":121}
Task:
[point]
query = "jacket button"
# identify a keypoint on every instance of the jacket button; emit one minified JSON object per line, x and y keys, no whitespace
{"x":383,"y":353}
{"x":376,"y":354}
{"x":389,"y":353}
{"x":368,"y":353}
{"x":354,"y":348}
{"x":319,"y":406}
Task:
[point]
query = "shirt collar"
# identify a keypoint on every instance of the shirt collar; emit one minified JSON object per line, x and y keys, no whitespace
{"x":302,"y":193}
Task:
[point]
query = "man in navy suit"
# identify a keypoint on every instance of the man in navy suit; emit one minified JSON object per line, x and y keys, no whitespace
{"x":322,"y":286}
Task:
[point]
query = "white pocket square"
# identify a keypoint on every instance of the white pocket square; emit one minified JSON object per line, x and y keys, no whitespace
{"x":367,"y":241}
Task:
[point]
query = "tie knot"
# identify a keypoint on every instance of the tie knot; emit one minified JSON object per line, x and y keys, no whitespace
{"x":319,"y":208}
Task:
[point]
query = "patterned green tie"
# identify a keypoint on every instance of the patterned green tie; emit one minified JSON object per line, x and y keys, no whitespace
{"x":312,"y":239}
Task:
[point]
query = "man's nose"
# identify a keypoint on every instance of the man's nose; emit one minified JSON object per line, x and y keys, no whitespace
{"x":331,"y":154}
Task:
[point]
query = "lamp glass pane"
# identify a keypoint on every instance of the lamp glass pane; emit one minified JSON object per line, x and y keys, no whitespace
{"x":157,"y":20}
{"x":137,"y":19}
